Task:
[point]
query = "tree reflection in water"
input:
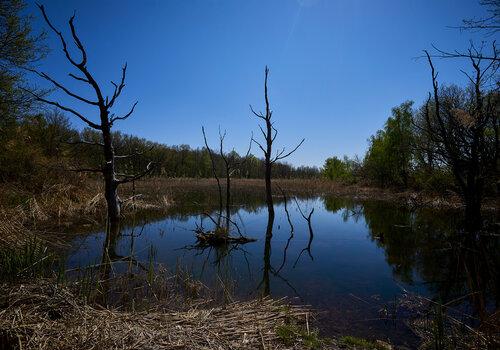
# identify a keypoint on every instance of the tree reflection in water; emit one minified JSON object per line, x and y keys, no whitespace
{"x":453,"y":264}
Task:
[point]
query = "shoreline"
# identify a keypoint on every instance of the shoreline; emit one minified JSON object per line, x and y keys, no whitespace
{"x":68,"y":205}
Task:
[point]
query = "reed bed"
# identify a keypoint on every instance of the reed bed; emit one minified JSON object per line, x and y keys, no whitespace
{"x":181,"y":190}
{"x":48,"y":316}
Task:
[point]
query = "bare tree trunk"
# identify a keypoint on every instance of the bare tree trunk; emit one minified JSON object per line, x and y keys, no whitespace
{"x":269,"y":190}
{"x":110,"y":183}
{"x":473,"y":199}
{"x":214,"y":172}
{"x":267,"y":256}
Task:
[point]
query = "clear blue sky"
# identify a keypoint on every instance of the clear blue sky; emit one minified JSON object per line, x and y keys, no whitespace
{"x":337,"y":66}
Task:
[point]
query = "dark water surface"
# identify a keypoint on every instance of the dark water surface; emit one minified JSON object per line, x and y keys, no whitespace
{"x":360,"y":258}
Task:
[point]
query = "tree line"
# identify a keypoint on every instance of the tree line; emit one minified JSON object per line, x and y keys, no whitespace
{"x":42,"y":145}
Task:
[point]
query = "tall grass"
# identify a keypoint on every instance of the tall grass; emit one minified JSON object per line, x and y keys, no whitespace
{"x":31,"y":260}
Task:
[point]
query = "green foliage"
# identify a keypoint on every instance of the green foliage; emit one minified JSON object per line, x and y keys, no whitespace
{"x":339,"y":169}
{"x":33,"y":259}
{"x":42,"y":148}
{"x":439,"y":180}
{"x":35,"y":150}
{"x":19,"y":48}
{"x":360,"y":343}
{"x":389,"y":157}
{"x":291,"y":334}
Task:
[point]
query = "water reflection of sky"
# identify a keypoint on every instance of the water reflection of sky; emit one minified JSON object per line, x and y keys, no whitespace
{"x":349,"y":275}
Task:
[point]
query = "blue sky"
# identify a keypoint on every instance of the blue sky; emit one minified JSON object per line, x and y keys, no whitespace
{"x":337,"y":66}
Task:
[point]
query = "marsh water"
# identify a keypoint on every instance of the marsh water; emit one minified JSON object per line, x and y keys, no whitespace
{"x":357,"y":259}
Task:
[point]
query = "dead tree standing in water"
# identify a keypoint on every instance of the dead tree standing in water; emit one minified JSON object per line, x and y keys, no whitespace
{"x":232,"y":162}
{"x":269,"y":132}
{"x":214,"y":171}
{"x":103,"y":104}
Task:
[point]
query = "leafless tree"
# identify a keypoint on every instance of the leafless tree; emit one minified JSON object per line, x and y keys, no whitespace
{"x":232,"y":162}
{"x":269,"y":133}
{"x":472,"y":52}
{"x":490,"y":24}
{"x":103,"y":105}
{"x":465,"y":136}
{"x":214,"y":172}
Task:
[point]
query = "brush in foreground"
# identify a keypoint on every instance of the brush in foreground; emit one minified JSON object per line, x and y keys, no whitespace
{"x":48,"y":316}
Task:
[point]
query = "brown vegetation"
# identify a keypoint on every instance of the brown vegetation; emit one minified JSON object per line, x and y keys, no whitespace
{"x":47,"y":316}
{"x":64,"y":203}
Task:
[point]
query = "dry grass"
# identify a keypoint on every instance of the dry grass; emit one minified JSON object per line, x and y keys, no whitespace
{"x":438,"y":324}
{"x":47,"y":316}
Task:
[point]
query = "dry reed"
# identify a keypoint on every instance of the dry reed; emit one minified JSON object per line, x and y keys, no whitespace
{"x":48,"y":316}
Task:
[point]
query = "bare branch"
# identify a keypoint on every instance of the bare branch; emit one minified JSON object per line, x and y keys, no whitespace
{"x":81,"y":66}
{"x":77,"y":41}
{"x":63,"y":88}
{"x":59,"y":34}
{"x":118,"y":88}
{"x":79,"y":78}
{"x":476,"y":55}
{"x":283,"y":156}
{"x":67,"y":109}
{"x":113,"y":119}
{"x":260,"y":146}
{"x":259,"y":115}
{"x":125,"y":156}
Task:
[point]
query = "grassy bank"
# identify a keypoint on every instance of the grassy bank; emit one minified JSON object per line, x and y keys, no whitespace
{"x":44,"y":306}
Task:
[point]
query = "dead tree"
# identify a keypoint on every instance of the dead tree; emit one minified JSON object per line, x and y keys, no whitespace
{"x":103,"y":104}
{"x":214,"y":172}
{"x":473,"y":52}
{"x":489,"y":26}
{"x":269,"y":132}
{"x":232,"y":163}
{"x":466,"y":137}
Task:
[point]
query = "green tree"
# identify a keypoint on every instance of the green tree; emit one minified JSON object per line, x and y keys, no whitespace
{"x":338,"y":169}
{"x":19,"y":49}
{"x":389,"y":157}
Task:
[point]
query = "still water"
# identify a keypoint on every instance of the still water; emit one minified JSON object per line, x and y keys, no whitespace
{"x":356,"y":260}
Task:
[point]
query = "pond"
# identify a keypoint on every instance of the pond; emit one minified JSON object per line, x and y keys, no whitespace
{"x":351,"y":265}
